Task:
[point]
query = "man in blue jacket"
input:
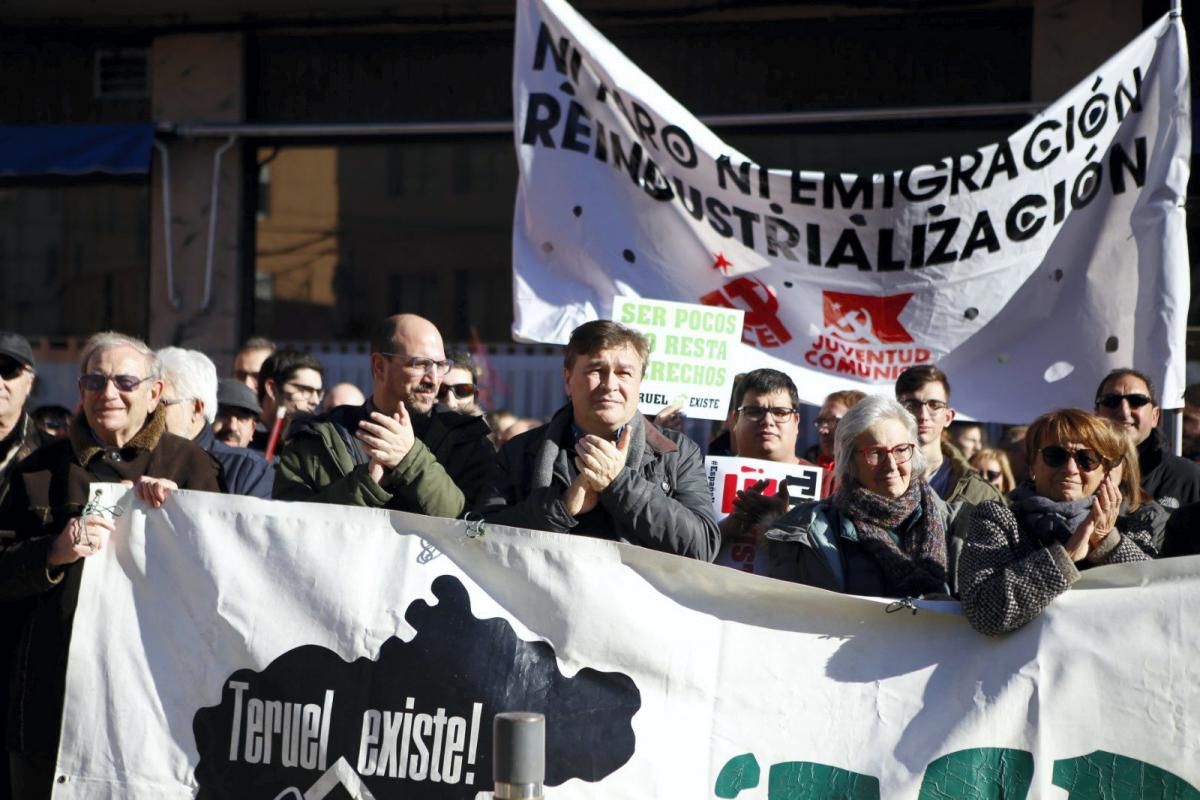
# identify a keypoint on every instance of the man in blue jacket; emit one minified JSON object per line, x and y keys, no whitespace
{"x":190,"y":401}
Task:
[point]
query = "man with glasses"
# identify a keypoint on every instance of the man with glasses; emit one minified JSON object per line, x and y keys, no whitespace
{"x":924,"y":391}
{"x":599,"y":468}
{"x":832,"y":410}
{"x":397,"y":450}
{"x":290,"y":384}
{"x":459,"y":390}
{"x":119,"y":435}
{"x":190,"y":398}
{"x":1126,"y":397}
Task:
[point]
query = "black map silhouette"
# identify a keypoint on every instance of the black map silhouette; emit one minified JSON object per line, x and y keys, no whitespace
{"x":454,"y":661}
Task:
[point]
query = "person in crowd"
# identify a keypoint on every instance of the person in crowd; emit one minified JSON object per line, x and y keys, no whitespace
{"x":119,"y":435}
{"x":925,"y":391}
{"x":993,"y":465}
{"x":190,"y":402}
{"x":1139,"y":516}
{"x":832,"y":410}
{"x":1191,"y":422}
{"x":238,"y":413}
{"x":342,"y":394}
{"x":599,"y":468}
{"x":1016,"y":560}
{"x":722,"y":443}
{"x":1013,"y":445}
{"x":883,"y":533}
{"x":248,"y":361}
{"x":19,"y":435}
{"x":967,"y":437}
{"x":1126,"y":397}
{"x":290,"y":385}
{"x":52,"y":420}
{"x":498,"y":421}
{"x":459,"y":390}
{"x":516,"y":428}
{"x":766,"y":428}
{"x":397,"y":450}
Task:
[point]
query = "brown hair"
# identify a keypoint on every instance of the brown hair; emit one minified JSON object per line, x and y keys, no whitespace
{"x":1090,"y":431}
{"x":1007,"y":481}
{"x":1131,"y":474}
{"x":604,"y":334}
{"x":1117,"y":374}
{"x":913,"y":378}
{"x":847,"y":397}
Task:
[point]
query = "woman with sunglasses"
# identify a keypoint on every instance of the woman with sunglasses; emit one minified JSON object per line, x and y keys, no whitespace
{"x":883,"y":532}
{"x":1065,"y":519}
{"x":994,"y":467}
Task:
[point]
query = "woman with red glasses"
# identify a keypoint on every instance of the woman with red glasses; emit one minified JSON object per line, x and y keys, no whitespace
{"x":883,"y":532}
{"x":1069,"y":516}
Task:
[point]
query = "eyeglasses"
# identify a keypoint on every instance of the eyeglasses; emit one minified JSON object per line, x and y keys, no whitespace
{"x":826,"y":423}
{"x":10,"y":368}
{"x":759,"y":413}
{"x":901,"y":454}
{"x":992,"y":475}
{"x":1056,"y":456}
{"x":305,"y":390}
{"x":914,"y":406}
{"x":165,"y":403}
{"x":95,"y":382}
{"x":462,"y":391}
{"x":425,"y":365}
{"x":1113,"y":400}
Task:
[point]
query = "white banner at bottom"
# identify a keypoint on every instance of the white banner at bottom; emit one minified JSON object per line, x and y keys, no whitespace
{"x":227,"y":647}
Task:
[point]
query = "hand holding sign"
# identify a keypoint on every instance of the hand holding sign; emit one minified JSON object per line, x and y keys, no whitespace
{"x":759,"y":509}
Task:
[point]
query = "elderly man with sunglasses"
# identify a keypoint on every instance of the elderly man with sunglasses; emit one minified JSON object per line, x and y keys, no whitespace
{"x":399,"y":449}
{"x":120,"y":435}
{"x":1126,"y":397}
{"x":19,"y":434}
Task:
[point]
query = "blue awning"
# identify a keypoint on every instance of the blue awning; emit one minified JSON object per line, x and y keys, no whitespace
{"x":33,"y":150}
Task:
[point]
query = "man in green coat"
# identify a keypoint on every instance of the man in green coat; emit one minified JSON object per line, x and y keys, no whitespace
{"x":399,"y":449}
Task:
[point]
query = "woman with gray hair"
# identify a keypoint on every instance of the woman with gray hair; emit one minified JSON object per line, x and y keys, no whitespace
{"x":883,"y":531}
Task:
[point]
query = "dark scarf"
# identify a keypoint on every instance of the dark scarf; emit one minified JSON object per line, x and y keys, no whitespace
{"x":1050,"y":520}
{"x":917,"y":566}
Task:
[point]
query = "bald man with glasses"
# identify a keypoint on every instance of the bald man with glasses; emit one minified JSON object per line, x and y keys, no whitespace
{"x":400,"y":449}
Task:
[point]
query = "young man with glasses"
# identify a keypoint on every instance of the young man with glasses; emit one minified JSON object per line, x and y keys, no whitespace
{"x":119,"y":435}
{"x":1126,"y":397}
{"x":924,"y":391}
{"x":397,"y":450}
{"x":599,"y":468}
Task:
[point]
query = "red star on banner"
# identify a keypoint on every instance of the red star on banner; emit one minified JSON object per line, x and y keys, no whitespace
{"x":722,"y":263}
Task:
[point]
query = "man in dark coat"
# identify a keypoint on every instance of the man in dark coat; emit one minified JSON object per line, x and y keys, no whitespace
{"x":1126,"y":397}
{"x":599,"y":468}
{"x":120,"y":435}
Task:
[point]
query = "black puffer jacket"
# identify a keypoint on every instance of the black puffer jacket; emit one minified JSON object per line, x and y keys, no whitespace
{"x":660,"y":500}
{"x":1172,"y":481}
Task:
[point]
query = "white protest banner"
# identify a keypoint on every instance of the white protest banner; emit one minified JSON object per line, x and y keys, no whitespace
{"x":229,"y":647}
{"x":690,"y":346}
{"x":1026,"y":268}
{"x":728,"y":475}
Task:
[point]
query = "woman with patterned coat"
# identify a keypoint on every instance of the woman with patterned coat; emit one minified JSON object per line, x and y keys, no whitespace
{"x":1065,"y":519}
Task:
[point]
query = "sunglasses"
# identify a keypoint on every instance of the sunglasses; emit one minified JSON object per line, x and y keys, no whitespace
{"x":462,"y":391}
{"x":992,"y":475}
{"x":1055,"y":456}
{"x":10,"y":368}
{"x":95,"y":382}
{"x":1114,"y":401}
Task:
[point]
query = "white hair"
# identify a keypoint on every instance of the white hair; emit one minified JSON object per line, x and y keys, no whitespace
{"x":865,"y":413}
{"x":192,"y":375}
{"x":111,"y":340}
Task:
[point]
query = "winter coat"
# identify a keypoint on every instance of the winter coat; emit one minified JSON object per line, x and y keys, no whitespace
{"x":48,"y":489}
{"x":660,"y":500}
{"x":323,"y":462}
{"x":1172,"y":481}
{"x":815,"y":544}
{"x":244,"y":471}
{"x":1008,"y":575}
